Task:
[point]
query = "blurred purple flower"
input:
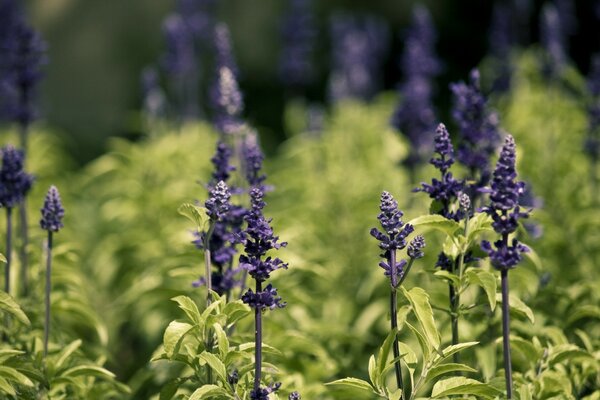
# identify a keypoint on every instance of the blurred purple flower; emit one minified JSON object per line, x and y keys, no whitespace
{"x":52,"y":211}
{"x":15,"y":183}
{"x":358,"y":51}
{"x":298,"y":34}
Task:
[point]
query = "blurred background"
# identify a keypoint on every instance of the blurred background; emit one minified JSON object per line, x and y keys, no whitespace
{"x":98,"y":48}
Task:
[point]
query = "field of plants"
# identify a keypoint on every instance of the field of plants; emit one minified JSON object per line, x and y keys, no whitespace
{"x":391,"y":247}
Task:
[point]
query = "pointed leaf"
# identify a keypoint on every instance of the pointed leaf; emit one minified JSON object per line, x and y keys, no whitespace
{"x":435,"y":221}
{"x":189,"y":307}
{"x":173,"y":336}
{"x":460,"y":385}
{"x":6,"y":388}
{"x":89,"y":370}
{"x":222,"y":341}
{"x":216,"y":364}
{"x":66,"y":352}
{"x":487,"y":281}
{"x":195,"y":214}
{"x":517,"y":306}
{"x":445,"y":368}
{"x":8,"y":304}
{"x":455,"y":348}
{"x":208,"y":391}
{"x":12,"y":374}
{"x":353,"y":383}
{"x":419,"y":299}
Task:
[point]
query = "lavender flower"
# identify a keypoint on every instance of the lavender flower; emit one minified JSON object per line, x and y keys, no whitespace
{"x":259,"y":239}
{"x":218,"y":202}
{"x":294,"y":396}
{"x":220,"y":160}
{"x":478,"y":128}
{"x":415,"y":117}
{"x":52,"y":212}
{"x":296,"y":67}
{"x":446,"y":190}
{"x":504,"y":209}
{"x":14,"y":182}
{"x":180,"y":58}
{"x":553,"y":41}
{"x":253,"y":159}
{"x":154,"y":102}
{"x":501,"y":39}
{"x":226,"y":98}
{"x":392,"y":238}
{"x":358,"y":50}
{"x":267,"y":299}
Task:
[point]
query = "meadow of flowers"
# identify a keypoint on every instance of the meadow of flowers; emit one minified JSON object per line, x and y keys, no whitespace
{"x":380,"y":253}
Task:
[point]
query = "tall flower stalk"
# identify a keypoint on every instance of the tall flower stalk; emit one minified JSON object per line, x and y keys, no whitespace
{"x":479,"y":135}
{"x":14,"y":186}
{"x":391,"y":239}
{"x":505,"y":254}
{"x":444,"y":192}
{"x":52,"y":215}
{"x":24,"y":54}
{"x":415,"y":116}
{"x":259,"y":240}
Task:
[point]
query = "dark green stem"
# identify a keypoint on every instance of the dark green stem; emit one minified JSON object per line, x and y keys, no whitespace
{"x":454,"y":302}
{"x":8,"y":249}
{"x":208,"y":272}
{"x":394,"y":317}
{"x":506,"y":334}
{"x":257,"y":341}
{"x":48,"y":289}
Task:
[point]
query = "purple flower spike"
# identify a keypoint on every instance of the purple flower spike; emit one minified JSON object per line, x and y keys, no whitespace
{"x":294,"y":396}
{"x":220,"y":160}
{"x":14,"y":182}
{"x":416,"y":246}
{"x":299,"y":33}
{"x":267,"y":299}
{"x":217,"y":204}
{"x":253,"y":158}
{"x":53,"y":211}
{"x":553,"y":41}
{"x":478,"y":128}
{"x":393,"y":238}
{"x":504,"y":208}
{"x":358,"y":53}
{"x":445,"y":190}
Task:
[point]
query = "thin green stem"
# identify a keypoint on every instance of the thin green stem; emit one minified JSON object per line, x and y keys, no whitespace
{"x":257,"y":341}
{"x":23,"y":224}
{"x":208,"y":274}
{"x":394,"y":317}
{"x":454,"y":292}
{"x":506,"y":334}
{"x":48,"y":289}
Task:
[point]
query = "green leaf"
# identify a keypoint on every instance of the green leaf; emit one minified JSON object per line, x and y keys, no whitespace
{"x":437,"y":222}
{"x":460,"y":385}
{"x":235,"y":311}
{"x":396,"y":395}
{"x":373,"y":375}
{"x":222,"y":341}
{"x":584,"y":311}
{"x":419,"y":300}
{"x":3,"y":258}
{"x":173,"y":336}
{"x":216,"y":364}
{"x":447,"y":276}
{"x":517,"y":306}
{"x":525,"y":393}
{"x":5,"y":354}
{"x":445,"y":368}
{"x":89,"y":370}
{"x":66,"y":352}
{"x":455,"y":348}
{"x":353,"y":383}
{"x":189,"y":307}
{"x":425,"y":349}
{"x":208,"y":391}
{"x":384,"y":351}
{"x":487,"y":281}
{"x":6,"y":388}
{"x":12,"y":374}
{"x":565,"y":352}
{"x":195,"y":214}
{"x":480,"y":222}
{"x":8,"y":304}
